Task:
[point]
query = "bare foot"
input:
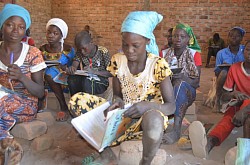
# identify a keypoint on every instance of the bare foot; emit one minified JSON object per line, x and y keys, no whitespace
{"x":171,"y":137}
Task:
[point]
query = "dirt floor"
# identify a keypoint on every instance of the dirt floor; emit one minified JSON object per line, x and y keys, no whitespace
{"x":69,"y":148}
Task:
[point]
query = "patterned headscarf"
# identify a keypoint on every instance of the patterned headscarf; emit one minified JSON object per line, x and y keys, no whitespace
{"x":193,"y":43}
{"x":61,"y":25}
{"x":10,"y":10}
{"x":143,"y":23}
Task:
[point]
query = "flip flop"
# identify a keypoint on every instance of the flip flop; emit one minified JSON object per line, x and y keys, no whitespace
{"x":198,"y":137}
{"x":62,"y":116}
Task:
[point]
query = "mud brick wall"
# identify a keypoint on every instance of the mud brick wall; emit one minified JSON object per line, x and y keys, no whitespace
{"x":105,"y":17}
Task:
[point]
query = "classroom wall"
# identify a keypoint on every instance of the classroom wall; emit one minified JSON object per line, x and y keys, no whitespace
{"x":105,"y":17}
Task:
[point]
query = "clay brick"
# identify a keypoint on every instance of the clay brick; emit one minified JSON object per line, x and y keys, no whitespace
{"x":29,"y":130}
{"x":42,"y":143}
{"x":131,"y":153}
{"x":46,"y":117}
{"x":214,"y":1}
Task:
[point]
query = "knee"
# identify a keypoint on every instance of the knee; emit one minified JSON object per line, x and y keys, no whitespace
{"x":153,"y":127}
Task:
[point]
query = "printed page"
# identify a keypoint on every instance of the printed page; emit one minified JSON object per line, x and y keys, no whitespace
{"x":115,"y":125}
{"x":91,"y":125}
{"x":52,"y":63}
{"x":81,"y":72}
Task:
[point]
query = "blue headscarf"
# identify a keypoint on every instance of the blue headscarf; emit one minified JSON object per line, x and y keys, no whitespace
{"x":10,"y":10}
{"x":143,"y":23}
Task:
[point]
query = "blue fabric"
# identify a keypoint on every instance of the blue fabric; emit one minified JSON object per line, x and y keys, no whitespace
{"x":10,"y":10}
{"x":64,"y":60}
{"x":226,"y":56}
{"x":7,"y":121}
{"x":143,"y":23}
{"x":184,"y":97}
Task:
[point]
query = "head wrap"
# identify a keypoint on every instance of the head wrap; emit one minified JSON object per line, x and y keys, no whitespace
{"x":242,"y":31}
{"x":143,"y":23}
{"x":61,"y":25}
{"x":193,"y":43}
{"x":10,"y":10}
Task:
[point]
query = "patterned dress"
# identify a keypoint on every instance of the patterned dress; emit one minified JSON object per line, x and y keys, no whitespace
{"x":64,"y":58}
{"x":144,"y":86}
{"x":184,"y":93}
{"x":135,"y":88}
{"x":18,"y":105}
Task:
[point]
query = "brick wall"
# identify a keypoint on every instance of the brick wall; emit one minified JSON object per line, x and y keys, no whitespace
{"x":40,"y":11}
{"x":105,"y":17}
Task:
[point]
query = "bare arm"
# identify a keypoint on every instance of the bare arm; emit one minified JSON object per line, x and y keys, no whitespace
{"x":239,"y":96}
{"x":71,"y":70}
{"x":117,"y":101}
{"x":194,"y":82}
{"x":35,"y":85}
{"x":168,"y":108}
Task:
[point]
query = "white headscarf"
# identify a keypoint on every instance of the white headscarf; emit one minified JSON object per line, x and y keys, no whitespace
{"x":61,"y":25}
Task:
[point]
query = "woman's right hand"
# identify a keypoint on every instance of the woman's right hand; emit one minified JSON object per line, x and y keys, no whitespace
{"x":118,"y":103}
{"x":71,"y":70}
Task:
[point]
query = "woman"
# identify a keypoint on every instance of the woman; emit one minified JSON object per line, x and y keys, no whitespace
{"x":56,"y":51}
{"x":184,"y":54}
{"x":142,"y":78}
{"x":21,"y":68}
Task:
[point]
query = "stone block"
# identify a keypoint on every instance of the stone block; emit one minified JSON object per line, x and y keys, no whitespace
{"x":191,"y":118}
{"x":46,"y":117}
{"x":29,"y":130}
{"x":42,"y":143}
{"x":131,"y":154}
{"x":192,"y":109}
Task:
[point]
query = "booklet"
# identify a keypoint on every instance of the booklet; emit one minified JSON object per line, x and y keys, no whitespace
{"x":99,"y":131}
{"x":52,"y":63}
{"x":81,"y":72}
{"x":86,"y":73}
{"x":61,"y":78}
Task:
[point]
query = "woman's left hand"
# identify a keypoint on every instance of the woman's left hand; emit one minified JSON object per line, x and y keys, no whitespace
{"x":15,"y":72}
{"x":137,"y":109}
